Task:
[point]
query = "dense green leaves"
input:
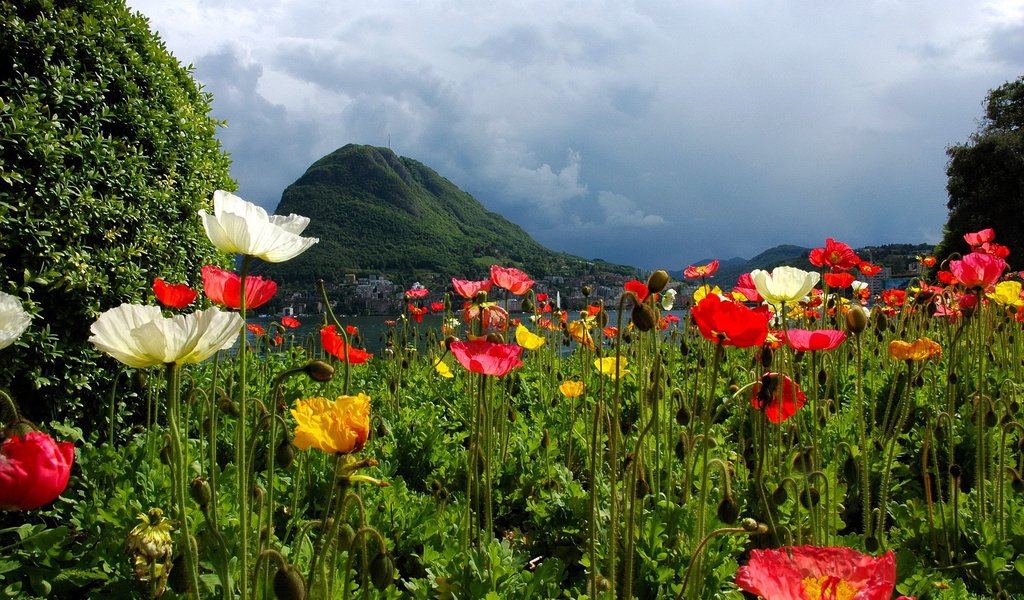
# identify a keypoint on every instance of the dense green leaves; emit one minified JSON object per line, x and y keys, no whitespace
{"x":986,"y":176}
{"x":107,"y":151}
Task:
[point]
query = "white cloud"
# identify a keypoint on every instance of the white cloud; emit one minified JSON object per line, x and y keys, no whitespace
{"x":719,"y":128}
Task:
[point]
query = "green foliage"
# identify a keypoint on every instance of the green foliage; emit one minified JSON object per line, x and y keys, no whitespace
{"x":107,"y":151}
{"x":376,"y":212}
{"x":986,"y":177}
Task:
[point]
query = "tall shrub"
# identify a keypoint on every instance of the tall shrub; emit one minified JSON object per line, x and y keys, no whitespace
{"x":107,"y":150}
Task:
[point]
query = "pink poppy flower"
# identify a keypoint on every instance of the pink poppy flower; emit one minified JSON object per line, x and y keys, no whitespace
{"x":978,"y":270}
{"x":224,"y":288}
{"x":980,"y":237}
{"x":694,"y":272}
{"x":818,"y":572}
{"x":511,"y":279}
{"x":746,"y":288}
{"x":469,"y":289}
{"x":488,"y":358}
{"x":804,"y":340}
{"x":34,"y":470}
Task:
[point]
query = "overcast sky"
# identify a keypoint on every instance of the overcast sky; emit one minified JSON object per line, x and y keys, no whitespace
{"x":653,"y":133}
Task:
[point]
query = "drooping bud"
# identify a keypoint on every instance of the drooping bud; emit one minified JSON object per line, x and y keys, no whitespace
{"x":284,"y":455}
{"x":495,"y":338}
{"x":201,"y":492}
{"x":318,"y":370}
{"x":382,"y":571}
{"x":657,"y":281}
{"x":289,"y":584}
{"x":346,"y":535}
{"x":586,"y":290}
{"x":643,"y":317}
{"x":728,"y":510}
{"x":528,"y":305}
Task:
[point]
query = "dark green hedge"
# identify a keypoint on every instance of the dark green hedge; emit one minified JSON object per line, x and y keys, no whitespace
{"x":107,"y":150}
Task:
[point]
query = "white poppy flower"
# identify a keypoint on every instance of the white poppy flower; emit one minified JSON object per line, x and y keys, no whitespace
{"x":13,"y":319}
{"x":241,"y":227}
{"x":668,"y":299}
{"x":140,"y":336}
{"x":783,"y":284}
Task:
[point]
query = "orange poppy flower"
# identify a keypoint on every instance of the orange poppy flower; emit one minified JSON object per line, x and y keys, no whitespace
{"x":920,"y":349}
{"x":839,"y":280}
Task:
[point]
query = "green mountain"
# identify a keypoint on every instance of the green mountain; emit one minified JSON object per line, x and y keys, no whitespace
{"x":379,"y":213}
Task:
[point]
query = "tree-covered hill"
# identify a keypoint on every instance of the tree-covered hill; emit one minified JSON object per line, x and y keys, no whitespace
{"x":376,"y":212}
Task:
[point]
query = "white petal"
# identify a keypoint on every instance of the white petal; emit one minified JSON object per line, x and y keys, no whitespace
{"x":293,"y":223}
{"x":13,"y":319}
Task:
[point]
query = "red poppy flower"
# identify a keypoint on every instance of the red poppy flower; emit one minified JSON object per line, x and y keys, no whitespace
{"x":804,"y":340}
{"x":637,"y":287}
{"x":488,"y":358}
{"x":611,"y":331}
{"x":351,"y":330}
{"x":34,"y":470}
{"x":593,"y":310}
{"x":839,"y":280}
{"x":542,"y":298}
{"x":173,"y":295}
{"x":994,"y":249}
{"x":511,"y":279}
{"x":928,"y":260}
{"x":729,"y":323}
{"x":469,"y":289}
{"x":290,"y":322}
{"x":869,"y":269}
{"x":979,"y":237}
{"x":335,"y":346}
{"x":256,"y":329}
{"x":818,"y":572}
{"x":224,"y":288}
{"x":416,"y":293}
{"x":946,"y":277}
{"x":777,"y":396}
{"x":390,"y":322}
{"x":277,"y":340}
{"x":437,"y":307}
{"x":693,"y":272}
{"x":978,"y":270}
{"x":894,"y":297}
{"x":745,"y":287}
{"x":417,"y":313}
{"x":835,"y":255}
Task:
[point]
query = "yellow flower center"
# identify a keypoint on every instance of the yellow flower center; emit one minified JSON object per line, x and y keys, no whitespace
{"x":828,"y":587}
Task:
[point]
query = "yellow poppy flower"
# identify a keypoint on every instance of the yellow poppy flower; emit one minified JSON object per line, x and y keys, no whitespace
{"x":571,"y":389}
{"x":340,"y":426}
{"x":443,"y":369}
{"x":703,"y":291}
{"x":607,"y":366}
{"x":1007,"y":293}
{"x":579,"y":331}
{"x":527,"y":339}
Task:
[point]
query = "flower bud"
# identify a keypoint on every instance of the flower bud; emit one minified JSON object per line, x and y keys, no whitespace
{"x":318,"y":370}
{"x":528,"y":305}
{"x":780,"y":496}
{"x":856,"y":320}
{"x":657,"y":281}
{"x":382,"y":571}
{"x":289,"y":584}
{"x":480,"y":297}
{"x":346,"y":535}
{"x":728,"y":510}
{"x":200,"y":491}
{"x":643,"y":317}
{"x":284,"y":455}
{"x":586,"y":290}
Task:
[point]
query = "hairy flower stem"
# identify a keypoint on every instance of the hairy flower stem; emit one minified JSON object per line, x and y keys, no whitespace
{"x":981,"y":436}
{"x":179,"y":464}
{"x":865,"y":446}
{"x":883,"y":491}
{"x":241,"y":439}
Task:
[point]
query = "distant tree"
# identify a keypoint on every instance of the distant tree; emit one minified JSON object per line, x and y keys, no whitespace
{"x":986,"y":177}
{"x":107,"y":150}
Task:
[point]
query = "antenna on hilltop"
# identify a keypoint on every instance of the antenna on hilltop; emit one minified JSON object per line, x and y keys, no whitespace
{"x":389,"y":140}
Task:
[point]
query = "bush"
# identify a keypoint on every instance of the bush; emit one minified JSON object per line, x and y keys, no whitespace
{"x":107,"y":150}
